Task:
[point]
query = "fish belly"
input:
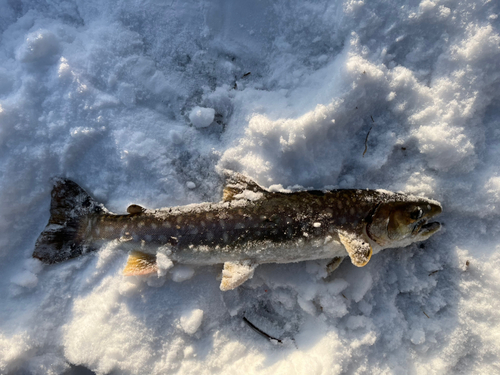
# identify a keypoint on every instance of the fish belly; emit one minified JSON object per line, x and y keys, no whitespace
{"x":259,"y":252}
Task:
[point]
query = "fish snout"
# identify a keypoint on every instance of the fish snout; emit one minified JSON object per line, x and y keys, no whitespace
{"x":435,"y":209}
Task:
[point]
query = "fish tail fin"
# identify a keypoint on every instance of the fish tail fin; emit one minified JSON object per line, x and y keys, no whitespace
{"x":63,"y":237}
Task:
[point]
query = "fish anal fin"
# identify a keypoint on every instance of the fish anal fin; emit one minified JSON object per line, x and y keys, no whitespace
{"x":357,"y":247}
{"x":236,"y":273}
{"x":236,"y":184}
{"x":135,"y":209}
{"x":139,"y":263}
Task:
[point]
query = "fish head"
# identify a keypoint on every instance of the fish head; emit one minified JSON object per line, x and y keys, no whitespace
{"x":403,"y":220}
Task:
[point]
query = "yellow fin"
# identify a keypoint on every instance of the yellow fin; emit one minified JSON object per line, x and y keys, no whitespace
{"x":236,"y":273}
{"x":140,"y":264}
{"x":358,"y":248}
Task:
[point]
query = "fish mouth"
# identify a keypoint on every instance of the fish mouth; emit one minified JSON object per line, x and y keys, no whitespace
{"x":423,"y":228}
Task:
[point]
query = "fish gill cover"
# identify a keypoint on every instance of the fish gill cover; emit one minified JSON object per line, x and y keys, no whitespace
{"x":393,"y":95}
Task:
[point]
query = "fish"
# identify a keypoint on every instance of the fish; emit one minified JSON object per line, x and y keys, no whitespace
{"x":250,"y":226}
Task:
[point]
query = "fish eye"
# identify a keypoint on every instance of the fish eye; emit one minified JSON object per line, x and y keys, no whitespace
{"x":416,"y":214}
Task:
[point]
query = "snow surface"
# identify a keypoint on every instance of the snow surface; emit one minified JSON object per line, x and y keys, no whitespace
{"x":102,"y":92}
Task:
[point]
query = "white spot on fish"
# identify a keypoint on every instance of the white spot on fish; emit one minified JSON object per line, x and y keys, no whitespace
{"x":316,"y":225}
{"x":305,"y":234}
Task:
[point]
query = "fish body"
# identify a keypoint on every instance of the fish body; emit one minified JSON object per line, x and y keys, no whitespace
{"x":250,"y":226}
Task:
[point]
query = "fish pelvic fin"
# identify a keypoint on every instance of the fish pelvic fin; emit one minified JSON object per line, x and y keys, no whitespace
{"x":334,"y":264}
{"x":236,"y":273}
{"x":63,"y":237}
{"x":139,"y":263}
{"x":357,"y":247}
{"x":237,"y":184}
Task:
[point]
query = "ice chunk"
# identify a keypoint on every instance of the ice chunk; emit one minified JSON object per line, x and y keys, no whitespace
{"x":191,"y":321}
{"x":40,"y":46}
{"x":359,"y":286}
{"x":25,"y":279}
{"x":33,"y":265}
{"x":126,"y":94}
{"x":163,"y":263}
{"x":201,"y":117}
{"x":190,"y":185}
{"x":418,"y":337}
{"x":306,"y":305}
{"x":182,"y":273}
{"x":130,"y":286}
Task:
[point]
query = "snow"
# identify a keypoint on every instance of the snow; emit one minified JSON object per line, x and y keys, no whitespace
{"x":144,"y":102}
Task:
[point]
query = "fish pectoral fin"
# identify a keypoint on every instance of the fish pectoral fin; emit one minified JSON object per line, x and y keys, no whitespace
{"x":236,"y":273}
{"x":334,"y":264}
{"x":135,"y":209}
{"x":236,"y":184}
{"x":357,"y":247}
{"x":139,"y":263}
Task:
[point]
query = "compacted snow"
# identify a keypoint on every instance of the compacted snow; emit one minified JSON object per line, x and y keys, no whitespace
{"x":146,"y":101}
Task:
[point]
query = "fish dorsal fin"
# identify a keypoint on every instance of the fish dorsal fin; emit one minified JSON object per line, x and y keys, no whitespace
{"x":357,"y":247}
{"x":139,"y":263}
{"x":236,"y":273}
{"x":236,"y":184}
{"x":135,"y":209}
